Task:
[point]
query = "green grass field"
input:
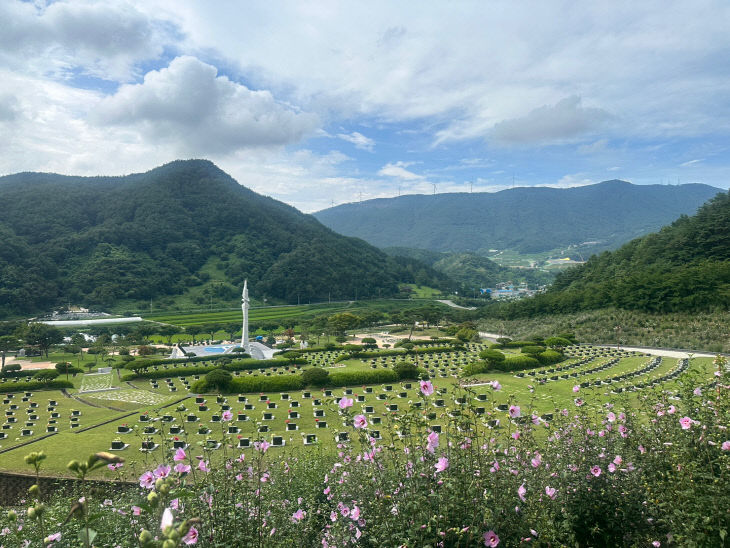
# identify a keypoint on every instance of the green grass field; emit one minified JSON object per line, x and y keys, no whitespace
{"x":89,"y":417}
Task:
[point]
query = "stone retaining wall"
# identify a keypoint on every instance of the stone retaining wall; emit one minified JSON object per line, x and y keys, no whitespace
{"x":14,"y":487}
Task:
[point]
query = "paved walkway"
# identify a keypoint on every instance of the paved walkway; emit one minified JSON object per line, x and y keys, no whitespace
{"x":661,"y":351}
{"x":452,"y":304}
{"x":667,"y":352}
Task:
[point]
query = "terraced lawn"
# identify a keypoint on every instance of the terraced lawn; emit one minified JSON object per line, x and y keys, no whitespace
{"x":163,"y":414}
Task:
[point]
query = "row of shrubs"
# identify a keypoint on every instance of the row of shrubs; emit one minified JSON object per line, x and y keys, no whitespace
{"x":238,"y":365}
{"x":494,"y":360}
{"x":144,"y":364}
{"x":222,"y":380}
{"x":385,"y":353}
{"x":13,"y":370}
{"x":557,"y":342}
{"x":35,"y":385}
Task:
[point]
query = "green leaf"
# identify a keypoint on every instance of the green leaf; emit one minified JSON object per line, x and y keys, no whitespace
{"x":91,"y":536}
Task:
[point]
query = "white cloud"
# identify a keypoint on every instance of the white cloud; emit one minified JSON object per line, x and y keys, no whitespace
{"x":564,"y":121}
{"x":399,"y":171}
{"x":359,"y":140}
{"x":188,"y":105}
{"x":93,"y":37}
{"x":570,"y":181}
{"x":691,"y":162}
{"x":479,"y":65}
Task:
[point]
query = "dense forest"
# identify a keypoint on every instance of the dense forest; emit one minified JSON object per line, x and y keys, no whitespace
{"x":683,"y":267}
{"x":99,"y":240}
{"x":527,"y":220}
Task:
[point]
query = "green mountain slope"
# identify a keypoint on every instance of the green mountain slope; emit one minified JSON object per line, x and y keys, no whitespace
{"x":472,"y":271}
{"x":104,"y":240}
{"x":524,"y":219}
{"x":683,"y":267}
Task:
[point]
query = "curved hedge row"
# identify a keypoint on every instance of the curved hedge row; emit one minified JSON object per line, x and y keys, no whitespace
{"x":144,"y":364}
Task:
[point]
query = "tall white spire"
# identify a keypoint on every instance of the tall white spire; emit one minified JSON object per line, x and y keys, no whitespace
{"x":244,"y":329}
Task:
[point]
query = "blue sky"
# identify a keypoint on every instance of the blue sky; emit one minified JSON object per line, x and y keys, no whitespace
{"x":327,"y":102}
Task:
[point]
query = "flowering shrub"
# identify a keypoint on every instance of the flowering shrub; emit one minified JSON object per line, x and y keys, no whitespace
{"x":593,"y":475}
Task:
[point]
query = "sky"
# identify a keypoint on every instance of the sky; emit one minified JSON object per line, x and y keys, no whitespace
{"x":322,"y":103}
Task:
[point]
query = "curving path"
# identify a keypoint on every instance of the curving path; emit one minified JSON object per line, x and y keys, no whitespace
{"x":679,"y":354}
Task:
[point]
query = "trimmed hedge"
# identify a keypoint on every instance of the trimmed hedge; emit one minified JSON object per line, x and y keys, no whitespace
{"x":260,"y":383}
{"x":353,"y":378}
{"x":14,"y":374}
{"x":8,"y":387}
{"x":492,"y":356}
{"x":386,"y":353}
{"x":532,"y":349}
{"x":476,"y":368}
{"x":516,"y":363}
{"x":239,"y":365}
{"x":144,"y":364}
{"x":315,"y":376}
{"x":519,"y":344}
{"x":549,"y":357}
{"x":407,"y":370}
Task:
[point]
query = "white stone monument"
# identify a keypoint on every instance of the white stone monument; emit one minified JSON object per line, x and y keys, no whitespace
{"x":244,"y":329}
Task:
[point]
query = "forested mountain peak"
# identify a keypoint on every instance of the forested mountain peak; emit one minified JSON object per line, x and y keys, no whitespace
{"x":104,"y":240}
{"x":529,"y":219}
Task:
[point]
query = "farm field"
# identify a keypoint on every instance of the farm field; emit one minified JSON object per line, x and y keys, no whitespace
{"x":102,"y":410}
{"x":294,"y":312}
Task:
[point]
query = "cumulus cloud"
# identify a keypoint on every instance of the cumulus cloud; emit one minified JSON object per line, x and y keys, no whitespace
{"x":189,"y":105}
{"x":359,"y":140}
{"x":399,"y":171}
{"x":563,"y":121}
{"x":95,"y":38}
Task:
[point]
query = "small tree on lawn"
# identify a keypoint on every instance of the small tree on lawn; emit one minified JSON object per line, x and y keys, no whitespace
{"x":7,"y":342}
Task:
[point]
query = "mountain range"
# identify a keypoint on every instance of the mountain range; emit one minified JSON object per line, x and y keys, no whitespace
{"x":528,"y":220}
{"x":102,"y":241}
